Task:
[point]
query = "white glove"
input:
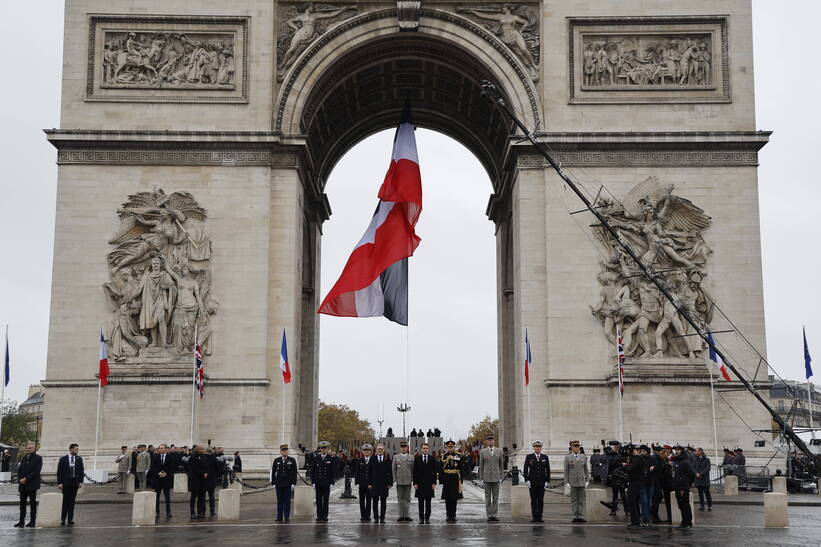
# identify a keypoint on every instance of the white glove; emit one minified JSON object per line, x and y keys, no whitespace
{"x":527,"y":483}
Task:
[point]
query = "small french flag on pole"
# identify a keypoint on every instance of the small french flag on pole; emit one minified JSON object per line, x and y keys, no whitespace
{"x":528,"y":359}
{"x":103,"y":373}
{"x":284,"y":366}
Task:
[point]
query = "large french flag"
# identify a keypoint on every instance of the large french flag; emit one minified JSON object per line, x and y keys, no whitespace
{"x":374,"y":282}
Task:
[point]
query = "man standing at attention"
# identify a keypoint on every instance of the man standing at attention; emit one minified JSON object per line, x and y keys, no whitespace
{"x":537,"y":475}
{"x":403,"y":477}
{"x":491,"y":471}
{"x":425,"y":469}
{"x":323,"y":475}
{"x":28,"y":473}
{"x":575,"y":474}
{"x":380,"y":480}
{"x":283,"y":476}
{"x":70,"y":476}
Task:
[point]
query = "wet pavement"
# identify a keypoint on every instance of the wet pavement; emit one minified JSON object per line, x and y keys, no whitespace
{"x":109,"y":523}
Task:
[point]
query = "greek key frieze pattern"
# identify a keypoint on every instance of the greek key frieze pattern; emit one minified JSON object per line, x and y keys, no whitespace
{"x":252,"y":158}
{"x":688,"y":158}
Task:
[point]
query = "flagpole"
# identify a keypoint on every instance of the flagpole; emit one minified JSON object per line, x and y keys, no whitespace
{"x":3,"y":383}
{"x":809,"y":402}
{"x":619,"y":381}
{"x":713,"y":403}
{"x":97,"y":431}
{"x":284,"y":387}
{"x":194,"y":385}
{"x":529,"y":408}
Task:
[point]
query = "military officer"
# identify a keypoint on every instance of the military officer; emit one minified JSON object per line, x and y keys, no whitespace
{"x":537,"y":475}
{"x":323,"y":475}
{"x":403,"y":477}
{"x":576,"y":475}
{"x":450,"y":476}
{"x":360,"y":474}
{"x":491,"y":472}
{"x":424,"y":481}
{"x":283,"y":477}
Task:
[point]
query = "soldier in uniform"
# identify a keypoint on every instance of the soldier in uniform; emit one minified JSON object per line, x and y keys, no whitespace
{"x":380,"y":480}
{"x":576,"y":475}
{"x":424,"y":481}
{"x":537,"y":475}
{"x":450,"y":476}
{"x":491,"y":472}
{"x":323,"y":474}
{"x":283,"y":477}
{"x":360,"y":473}
{"x":403,"y":477}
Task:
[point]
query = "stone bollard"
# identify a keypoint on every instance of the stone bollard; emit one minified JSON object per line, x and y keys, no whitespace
{"x":780,"y":484}
{"x":5,"y":476}
{"x":594,"y":511}
{"x":520,"y":502}
{"x":730,"y":485}
{"x":142,"y":509}
{"x":235,"y":486}
{"x":818,"y":487}
{"x":129,"y":483}
{"x":675,"y":511}
{"x":775,"y":510}
{"x":303,"y":501}
{"x":49,"y":507}
{"x":567,"y":490}
{"x":228,"y":504}
{"x":180,"y":483}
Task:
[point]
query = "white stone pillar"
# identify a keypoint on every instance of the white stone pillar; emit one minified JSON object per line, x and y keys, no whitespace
{"x":594,"y":510}
{"x":228,"y":504}
{"x":129,"y":483}
{"x":730,"y":485}
{"x":776,"y":513}
{"x":48,"y":510}
{"x":520,"y":502}
{"x":780,"y":484}
{"x":303,"y":501}
{"x":180,"y":483}
{"x":676,"y":513}
{"x":142,"y":509}
{"x":5,"y":476}
{"x":818,"y":487}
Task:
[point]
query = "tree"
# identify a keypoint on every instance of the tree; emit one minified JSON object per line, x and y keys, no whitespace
{"x":339,"y":424}
{"x":17,"y":424}
{"x":486,"y":426}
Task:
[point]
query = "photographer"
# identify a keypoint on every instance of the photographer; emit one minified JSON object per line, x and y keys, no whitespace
{"x":683,"y":477}
{"x":635,"y":474}
{"x":615,"y":476}
{"x":663,"y":482}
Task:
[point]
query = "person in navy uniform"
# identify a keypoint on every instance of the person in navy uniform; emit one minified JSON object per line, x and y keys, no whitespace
{"x":283,"y":477}
{"x":424,"y":474}
{"x":70,"y":476}
{"x":537,"y":474}
{"x":28,"y":473}
{"x":161,"y":476}
{"x":323,"y":475}
{"x":360,"y":475}
{"x":450,"y":477}
{"x":380,"y":480}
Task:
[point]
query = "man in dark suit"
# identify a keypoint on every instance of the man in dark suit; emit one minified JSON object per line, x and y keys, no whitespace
{"x":195,"y":467}
{"x":161,"y":476}
{"x":360,"y":475}
{"x":212,"y":469}
{"x":537,"y":475}
{"x":380,"y":480}
{"x":70,"y":476}
{"x":323,"y":475}
{"x":28,"y":473}
{"x":425,"y":467}
{"x":283,"y":477}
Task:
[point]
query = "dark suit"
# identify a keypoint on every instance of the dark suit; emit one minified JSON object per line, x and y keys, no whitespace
{"x":537,"y":472}
{"x":29,"y":469}
{"x":380,"y":480}
{"x":212,"y":468}
{"x":196,"y":483}
{"x":162,"y":484}
{"x":424,"y":472}
{"x":360,"y":477}
{"x":323,"y":475}
{"x":283,"y":476}
{"x":71,"y":479}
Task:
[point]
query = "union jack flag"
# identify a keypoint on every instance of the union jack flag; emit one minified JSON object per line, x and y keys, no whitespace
{"x":621,"y":357}
{"x":199,"y":373}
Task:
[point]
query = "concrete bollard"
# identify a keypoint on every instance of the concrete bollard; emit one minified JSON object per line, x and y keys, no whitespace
{"x":594,"y":511}
{"x":303,"y":501}
{"x":129,"y":483}
{"x":818,"y":487}
{"x":776,"y":514}
{"x":780,"y":484}
{"x":49,"y":507}
{"x":5,"y":476}
{"x":675,"y":510}
{"x":228,"y":504}
{"x":180,"y":483}
{"x":142,"y":509}
{"x":520,"y":502}
{"x":235,"y":486}
{"x":730,"y":485}
{"x":567,"y":490}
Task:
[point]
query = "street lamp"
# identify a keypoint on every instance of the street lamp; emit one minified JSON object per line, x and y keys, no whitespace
{"x":404,"y":408}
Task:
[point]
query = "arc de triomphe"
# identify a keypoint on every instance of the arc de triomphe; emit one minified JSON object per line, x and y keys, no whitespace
{"x":196,"y":139}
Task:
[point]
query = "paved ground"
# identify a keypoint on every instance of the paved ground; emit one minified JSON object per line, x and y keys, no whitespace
{"x":108,"y":523}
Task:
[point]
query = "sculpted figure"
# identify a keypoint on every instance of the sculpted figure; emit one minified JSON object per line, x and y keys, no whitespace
{"x":511,"y":28}
{"x":186,"y":309}
{"x":158,"y":294}
{"x":305,"y":30}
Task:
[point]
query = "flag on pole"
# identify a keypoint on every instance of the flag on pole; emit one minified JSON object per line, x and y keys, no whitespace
{"x":374,"y":282}
{"x":621,"y":357}
{"x":807,"y":358}
{"x":284,"y":366}
{"x":528,"y":359}
{"x":199,"y":372}
{"x":7,"y":369}
{"x":103,"y":361}
{"x":716,"y":359}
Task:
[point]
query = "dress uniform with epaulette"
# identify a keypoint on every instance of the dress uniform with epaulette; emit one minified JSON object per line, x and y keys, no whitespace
{"x":450,"y":476}
{"x":283,"y":477}
{"x":537,"y":474}
{"x":323,"y":475}
{"x":360,"y":477}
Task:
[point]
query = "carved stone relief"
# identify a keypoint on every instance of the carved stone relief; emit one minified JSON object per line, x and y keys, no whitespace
{"x":159,"y":287}
{"x":408,"y":14}
{"x":517,"y":26}
{"x":664,"y":231}
{"x":301,"y":25}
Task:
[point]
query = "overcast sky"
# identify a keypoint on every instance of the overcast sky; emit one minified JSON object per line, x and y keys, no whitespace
{"x":452,"y":338}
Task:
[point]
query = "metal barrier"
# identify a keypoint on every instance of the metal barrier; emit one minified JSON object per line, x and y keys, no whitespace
{"x":750,"y":477}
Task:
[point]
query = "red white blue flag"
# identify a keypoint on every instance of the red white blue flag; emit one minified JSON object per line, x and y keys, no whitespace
{"x":528,"y":359}
{"x":721,"y":369}
{"x":199,"y":369}
{"x":374,"y":282}
{"x":284,"y":366}
{"x":621,"y":357}
{"x":103,"y":374}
